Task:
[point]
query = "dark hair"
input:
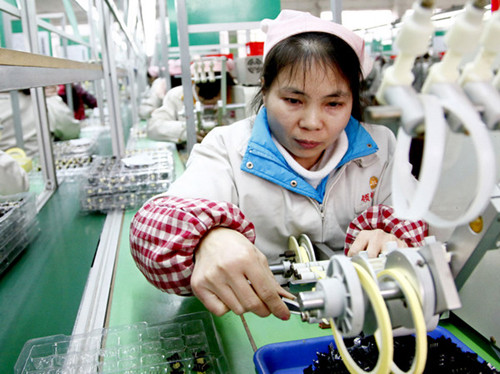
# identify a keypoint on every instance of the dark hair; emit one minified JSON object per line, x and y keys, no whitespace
{"x":209,"y":90}
{"x":301,"y":51}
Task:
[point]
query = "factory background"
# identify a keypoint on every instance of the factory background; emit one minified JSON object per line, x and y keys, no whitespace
{"x":67,"y":281}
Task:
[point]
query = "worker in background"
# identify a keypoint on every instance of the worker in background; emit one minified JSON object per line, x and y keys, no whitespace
{"x":82,"y":99}
{"x":167,"y":123}
{"x":154,"y":94}
{"x":13,"y":178}
{"x":63,"y":125}
{"x":305,"y":164}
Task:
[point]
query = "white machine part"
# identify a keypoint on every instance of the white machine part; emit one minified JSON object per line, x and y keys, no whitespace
{"x":452,"y":110}
{"x":248,"y":70}
{"x":340,"y":296}
{"x":477,"y":76}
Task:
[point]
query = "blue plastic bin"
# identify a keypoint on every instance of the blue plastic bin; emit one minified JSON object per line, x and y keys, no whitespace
{"x":293,"y":357}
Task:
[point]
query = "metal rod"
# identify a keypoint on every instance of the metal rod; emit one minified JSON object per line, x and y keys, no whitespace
{"x":183,"y":36}
{"x":164,"y":44}
{"x":111,"y":82}
{"x":336,"y":7}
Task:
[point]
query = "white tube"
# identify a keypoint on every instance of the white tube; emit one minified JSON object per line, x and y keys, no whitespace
{"x":485,"y":155}
{"x":462,"y":38}
{"x":414,"y":203}
{"x":480,"y":70}
{"x":412,"y":41}
{"x":410,"y":202}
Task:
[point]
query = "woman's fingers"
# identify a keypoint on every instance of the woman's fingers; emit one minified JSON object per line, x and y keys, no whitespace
{"x":268,"y":291}
{"x":213,"y":303}
{"x":229,"y":266}
{"x":373,"y":242}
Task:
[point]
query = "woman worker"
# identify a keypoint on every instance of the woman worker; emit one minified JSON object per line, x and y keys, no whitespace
{"x":167,"y":122}
{"x":304,"y":164}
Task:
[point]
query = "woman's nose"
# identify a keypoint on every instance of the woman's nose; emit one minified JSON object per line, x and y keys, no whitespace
{"x":311,"y":119}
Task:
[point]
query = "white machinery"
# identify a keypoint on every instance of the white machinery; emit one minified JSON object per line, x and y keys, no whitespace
{"x":405,"y":290}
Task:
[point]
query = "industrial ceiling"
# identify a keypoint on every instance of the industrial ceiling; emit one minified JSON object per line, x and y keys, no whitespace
{"x":313,"y":6}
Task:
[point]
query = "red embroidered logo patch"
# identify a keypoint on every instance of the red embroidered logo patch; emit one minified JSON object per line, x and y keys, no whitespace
{"x":367,"y":197}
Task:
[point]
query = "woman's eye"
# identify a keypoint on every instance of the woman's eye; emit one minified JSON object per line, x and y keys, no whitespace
{"x":334,"y":104}
{"x":291,"y":100}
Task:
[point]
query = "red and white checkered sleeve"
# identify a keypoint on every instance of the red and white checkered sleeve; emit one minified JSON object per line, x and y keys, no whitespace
{"x":165,"y":232}
{"x":382,"y":217}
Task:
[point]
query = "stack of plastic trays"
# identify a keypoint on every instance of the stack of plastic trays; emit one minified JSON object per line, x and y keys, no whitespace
{"x":73,"y":157}
{"x":18,"y":226}
{"x":188,"y":344}
{"x":125,"y":184}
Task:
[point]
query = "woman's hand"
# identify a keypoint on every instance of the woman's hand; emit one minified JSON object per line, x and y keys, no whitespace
{"x":373,"y":242}
{"x":230,"y":273}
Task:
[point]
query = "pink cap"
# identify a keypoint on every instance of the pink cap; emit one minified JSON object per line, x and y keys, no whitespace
{"x":293,"y":22}
{"x":154,"y":71}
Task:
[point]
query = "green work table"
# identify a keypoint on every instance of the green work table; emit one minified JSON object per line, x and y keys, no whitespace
{"x":40,"y":292}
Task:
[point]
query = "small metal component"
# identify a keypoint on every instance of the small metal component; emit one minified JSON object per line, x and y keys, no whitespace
{"x":390,"y":290}
{"x":292,"y":305}
{"x":283,"y":268}
{"x":311,"y":300}
{"x":420,"y":263}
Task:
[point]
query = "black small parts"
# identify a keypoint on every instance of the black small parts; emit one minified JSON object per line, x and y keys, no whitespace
{"x":176,"y":365}
{"x":443,"y":357}
{"x":201,"y":364}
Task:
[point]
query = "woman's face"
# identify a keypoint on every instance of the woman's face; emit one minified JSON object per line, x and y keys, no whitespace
{"x":308,"y":111}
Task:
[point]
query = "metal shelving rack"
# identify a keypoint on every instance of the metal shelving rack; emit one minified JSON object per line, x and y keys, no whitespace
{"x":22,"y":70}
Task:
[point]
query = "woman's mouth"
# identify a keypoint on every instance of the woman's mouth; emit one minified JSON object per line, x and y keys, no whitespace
{"x":307,"y":144}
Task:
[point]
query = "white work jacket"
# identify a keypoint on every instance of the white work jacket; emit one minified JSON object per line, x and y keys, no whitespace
{"x":165,"y":123}
{"x":13,"y":178}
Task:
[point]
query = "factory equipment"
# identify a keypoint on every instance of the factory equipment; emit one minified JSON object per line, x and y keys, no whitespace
{"x":451,"y":118}
{"x":403,"y":291}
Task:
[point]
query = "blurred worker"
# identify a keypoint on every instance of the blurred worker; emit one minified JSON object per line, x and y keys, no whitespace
{"x":27,"y":115}
{"x":82,"y":99}
{"x":13,"y":178}
{"x":153,"y":96}
{"x":167,"y":123}
{"x":62,"y":124}
{"x":305,"y":164}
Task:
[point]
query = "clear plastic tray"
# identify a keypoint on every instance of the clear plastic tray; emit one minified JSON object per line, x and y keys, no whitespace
{"x":111,"y":183}
{"x":73,"y":157}
{"x":187,"y":344}
{"x":18,"y":226}
{"x":73,"y":147}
